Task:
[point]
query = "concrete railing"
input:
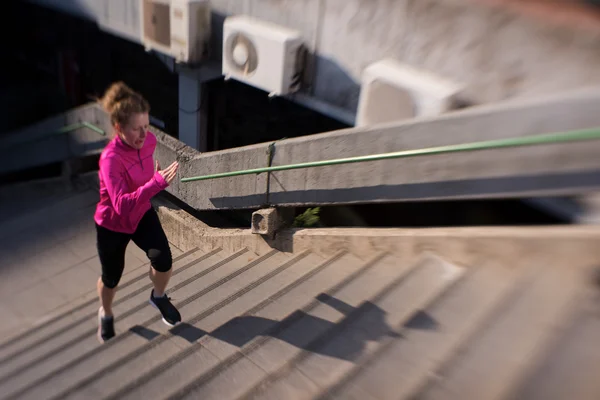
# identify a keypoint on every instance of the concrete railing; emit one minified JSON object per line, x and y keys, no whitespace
{"x":39,"y":144}
{"x":544,"y":170}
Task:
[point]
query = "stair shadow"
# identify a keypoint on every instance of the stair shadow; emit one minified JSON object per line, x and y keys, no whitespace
{"x":359,"y":326}
{"x":422,"y":321}
{"x":144,"y":332}
{"x":183,"y":330}
{"x":188,"y":332}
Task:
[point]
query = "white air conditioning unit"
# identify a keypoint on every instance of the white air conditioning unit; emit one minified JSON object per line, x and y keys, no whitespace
{"x":392,"y":91}
{"x":178,"y":28}
{"x":263,"y":55}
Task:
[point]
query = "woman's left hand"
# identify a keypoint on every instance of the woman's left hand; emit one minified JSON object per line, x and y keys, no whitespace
{"x":169,"y":173}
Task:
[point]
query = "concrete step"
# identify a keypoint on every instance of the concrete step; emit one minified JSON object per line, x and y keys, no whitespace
{"x":87,"y":357}
{"x":328,"y":358}
{"x":299,"y":325}
{"x":220,"y":348}
{"x":48,"y":255}
{"x":174,"y":354}
{"x":46,"y":241}
{"x":51,"y":215}
{"x":42,"y":245}
{"x":26,"y":197}
{"x":494,"y":362}
{"x":80,"y":343}
{"x":570,"y":370}
{"x":130,"y":290}
{"x":42,"y":285}
{"x":404,"y":361}
{"x":283,"y":341}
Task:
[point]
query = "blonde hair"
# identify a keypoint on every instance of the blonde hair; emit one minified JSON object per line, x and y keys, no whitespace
{"x":121,"y":102}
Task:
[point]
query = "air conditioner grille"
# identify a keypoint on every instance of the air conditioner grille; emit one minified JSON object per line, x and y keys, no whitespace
{"x":240,"y":43}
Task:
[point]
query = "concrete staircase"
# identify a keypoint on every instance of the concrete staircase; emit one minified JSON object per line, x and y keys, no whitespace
{"x":484,"y":313}
{"x":306,"y":326}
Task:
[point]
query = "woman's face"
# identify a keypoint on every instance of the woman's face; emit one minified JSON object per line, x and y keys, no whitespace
{"x":135,"y":131}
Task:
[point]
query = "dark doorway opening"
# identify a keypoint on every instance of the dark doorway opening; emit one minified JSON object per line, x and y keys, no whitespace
{"x":241,"y":115}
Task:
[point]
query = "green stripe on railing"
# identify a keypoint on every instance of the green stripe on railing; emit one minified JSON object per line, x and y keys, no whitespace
{"x":550,"y":138}
{"x":73,"y":127}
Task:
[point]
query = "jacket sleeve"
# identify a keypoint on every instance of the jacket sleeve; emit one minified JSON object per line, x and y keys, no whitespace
{"x":113,"y":172}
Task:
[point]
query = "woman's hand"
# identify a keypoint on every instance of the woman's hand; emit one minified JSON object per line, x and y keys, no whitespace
{"x":169,"y":173}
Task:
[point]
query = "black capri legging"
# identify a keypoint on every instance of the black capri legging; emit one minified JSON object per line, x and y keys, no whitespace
{"x":149,"y":236}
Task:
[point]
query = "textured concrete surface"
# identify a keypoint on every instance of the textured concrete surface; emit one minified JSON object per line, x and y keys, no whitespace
{"x":544,"y":170}
{"x":549,"y":170}
{"x":187,"y":233}
{"x":48,"y":254}
{"x":269,"y":221}
{"x":498,"y":51}
{"x":481,"y":313}
{"x":565,"y":169}
{"x":462,"y":246}
{"x":37,"y":145}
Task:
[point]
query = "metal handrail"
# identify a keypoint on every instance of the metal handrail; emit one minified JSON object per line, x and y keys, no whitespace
{"x":550,"y":138}
{"x":61,"y":131}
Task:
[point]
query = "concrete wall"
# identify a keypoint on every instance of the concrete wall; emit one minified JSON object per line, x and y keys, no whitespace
{"x":119,"y":17}
{"x":37,"y":145}
{"x":497,"y":52}
{"x":462,"y":246}
{"x":544,"y":170}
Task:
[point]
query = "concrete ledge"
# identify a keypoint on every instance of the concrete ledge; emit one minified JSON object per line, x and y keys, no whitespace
{"x":270,"y":221}
{"x":36,"y":145}
{"x":265,"y":222}
{"x":187,"y":232}
{"x":461,"y":246}
{"x":544,"y":170}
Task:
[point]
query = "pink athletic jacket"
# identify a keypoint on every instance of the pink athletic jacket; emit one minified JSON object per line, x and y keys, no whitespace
{"x":127,"y":183}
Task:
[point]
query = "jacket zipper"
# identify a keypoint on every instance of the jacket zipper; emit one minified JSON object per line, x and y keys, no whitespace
{"x":140,"y":158}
